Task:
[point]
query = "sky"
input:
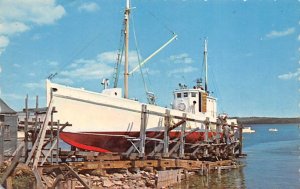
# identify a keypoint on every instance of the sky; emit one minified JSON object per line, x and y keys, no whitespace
{"x":253,"y":50}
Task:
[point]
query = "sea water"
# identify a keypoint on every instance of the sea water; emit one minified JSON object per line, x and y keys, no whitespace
{"x":273,"y":161}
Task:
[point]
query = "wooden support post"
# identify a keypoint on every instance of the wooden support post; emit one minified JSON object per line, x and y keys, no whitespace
{"x":143,"y":131}
{"x":26,"y":127}
{"x":218,"y":130}
{"x":57,"y":144}
{"x":166,"y":134}
{"x":2,"y":140}
{"x":40,"y":140}
{"x":36,"y":119}
{"x":38,"y":178}
{"x":53,"y":145}
{"x":51,"y":136}
{"x":206,"y":129}
{"x":240,"y":126}
{"x":182,"y":138}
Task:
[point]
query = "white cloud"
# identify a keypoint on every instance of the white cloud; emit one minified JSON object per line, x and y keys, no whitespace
{"x":4,"y":41}
{"x":274,"y":33}
{"x":32,"y":74}
{"x":65,"y":81}
{"x":299,"y":37}
{"x":53,"y":63}
{"x":185,"y":70}
{"x":290,"y":75}
{"x":35,"y":85}
{"x":89,"y":7}
{"x":99,"y":67}
{"x":14,"y":96}
{"x":17,"y":15}
{"x":17,"y":65}
{"x":34,"y":11}
{"x":182,"y":58}
{"x":12,"y":28}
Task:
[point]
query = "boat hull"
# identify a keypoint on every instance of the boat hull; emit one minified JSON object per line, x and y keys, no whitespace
{"x":103,"y":123}
{"x":119,"y":141}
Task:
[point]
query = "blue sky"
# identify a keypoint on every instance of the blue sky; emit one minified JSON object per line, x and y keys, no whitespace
{"x":253,"y":49}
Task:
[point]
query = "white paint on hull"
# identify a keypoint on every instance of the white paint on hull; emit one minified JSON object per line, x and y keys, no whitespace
{"x":96,"y":112}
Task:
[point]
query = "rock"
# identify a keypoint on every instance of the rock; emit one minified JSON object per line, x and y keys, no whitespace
{"x":118,"y":176}
{"x":136,"y":176}
{"x":125,"y":186}
{"x":107,"y":183}
{"x":118,"y":183}
{"x":150,"y":183}
{"x":148,"y":169}
{"x":140,"y":183}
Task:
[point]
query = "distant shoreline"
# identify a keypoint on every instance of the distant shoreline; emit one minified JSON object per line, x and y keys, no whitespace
{"x":267,"y":120}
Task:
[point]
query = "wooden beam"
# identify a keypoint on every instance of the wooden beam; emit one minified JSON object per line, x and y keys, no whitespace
{"x":12,"y":166}
{"x":77,"y":176}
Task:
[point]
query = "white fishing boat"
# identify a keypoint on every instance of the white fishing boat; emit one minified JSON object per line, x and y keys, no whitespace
{"x":104,"y":122}
{"x":273,"y":130}
{"x":248,"y":130}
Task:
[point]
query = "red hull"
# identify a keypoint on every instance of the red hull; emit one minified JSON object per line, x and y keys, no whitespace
{"x":116,"y":141}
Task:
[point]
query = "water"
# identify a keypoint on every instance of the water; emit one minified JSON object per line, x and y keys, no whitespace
{"x":273,"y":161}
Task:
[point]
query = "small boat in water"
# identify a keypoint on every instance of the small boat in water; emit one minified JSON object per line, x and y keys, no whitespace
{"x":248,"y":130}
{"x":273,"y":130}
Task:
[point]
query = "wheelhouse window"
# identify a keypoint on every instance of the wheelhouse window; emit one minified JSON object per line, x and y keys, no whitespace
{"x":185,"y":94}
{"x":194,"y":94}
{"x":178,"y":95}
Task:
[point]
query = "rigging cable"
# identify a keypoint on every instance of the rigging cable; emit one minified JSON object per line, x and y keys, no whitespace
{"x":138,"y":55}
{"x":217,"y":90}
{"x":160,"y":21}
{"x":77,"y":53}
{"x":119,"y":57}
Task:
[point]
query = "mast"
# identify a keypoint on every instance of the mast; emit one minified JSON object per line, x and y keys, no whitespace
{"x":126,"y":36}
{"x":205,"y":63}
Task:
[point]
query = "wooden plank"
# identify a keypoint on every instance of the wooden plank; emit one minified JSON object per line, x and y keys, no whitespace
{"x":168,"y":178}
{"x":42,"y":136}
{"x":9,"y":183}
{"x":12,"y":166}
{"x":166,"y":134}
{"x":182,"y":138}
{"x":77,"y":176}
{"x":38,"y":178}
{"x":143,"y":131}
{"x":49,"y":152}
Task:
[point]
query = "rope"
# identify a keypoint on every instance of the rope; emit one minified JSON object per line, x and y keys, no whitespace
{"x":77,"y":53}
{"x":138,"y":55}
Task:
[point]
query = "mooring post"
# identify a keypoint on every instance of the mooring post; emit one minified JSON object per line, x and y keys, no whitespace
{"x":182,"y":138}
{"x":26,"y":127}
{"x":166,"y":134}
{"x":143,"y":131}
